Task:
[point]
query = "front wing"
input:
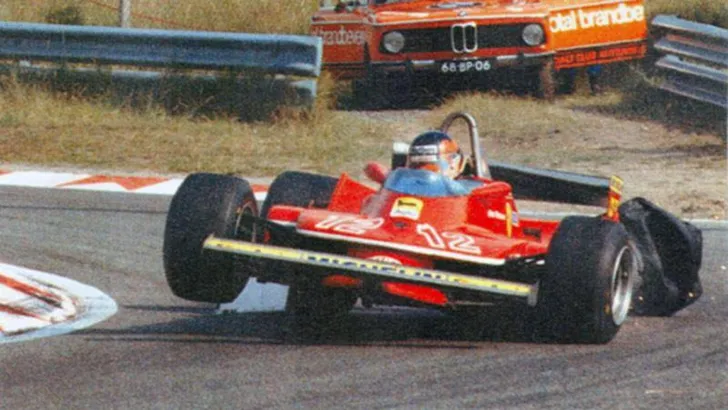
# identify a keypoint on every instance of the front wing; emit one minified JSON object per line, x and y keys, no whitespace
{"x":379,"y":270}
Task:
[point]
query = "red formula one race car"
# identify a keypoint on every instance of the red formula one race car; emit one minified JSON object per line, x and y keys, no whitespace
{"x":442,"y":230}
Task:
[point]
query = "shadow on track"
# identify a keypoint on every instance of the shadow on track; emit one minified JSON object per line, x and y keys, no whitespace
{"x":398,"y":327}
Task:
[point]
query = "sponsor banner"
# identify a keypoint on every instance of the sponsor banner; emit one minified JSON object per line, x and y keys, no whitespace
{"x":615,"y":197}
{"x":339,"y":36}
{"x":583,"y":58}
{"x":597,"y":25}
{"x":585,"y":19}
{"x":406,"y":207}
{"x":343,"y":51}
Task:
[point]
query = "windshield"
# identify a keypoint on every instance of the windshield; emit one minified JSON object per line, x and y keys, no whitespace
{"x":419,"y":182}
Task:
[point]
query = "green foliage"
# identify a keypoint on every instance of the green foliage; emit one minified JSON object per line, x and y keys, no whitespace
{"x":70,"y":15}
{"x":264,"y":16}
{"x":710,"y":12}
{"x":8,"y":120}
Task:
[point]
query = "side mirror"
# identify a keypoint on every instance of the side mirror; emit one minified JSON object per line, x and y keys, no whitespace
{"x":399,"y":154}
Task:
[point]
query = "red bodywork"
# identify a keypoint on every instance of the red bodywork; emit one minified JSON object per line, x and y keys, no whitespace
{"x":482,"y":228}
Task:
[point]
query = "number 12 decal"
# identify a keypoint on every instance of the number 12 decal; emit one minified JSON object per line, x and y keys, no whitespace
{"x":454,"y":241}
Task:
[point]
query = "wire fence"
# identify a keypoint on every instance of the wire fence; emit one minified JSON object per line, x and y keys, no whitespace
{"x":127,"y":14}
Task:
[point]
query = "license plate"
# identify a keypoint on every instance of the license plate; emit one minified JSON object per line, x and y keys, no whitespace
{"x":456,"y":67}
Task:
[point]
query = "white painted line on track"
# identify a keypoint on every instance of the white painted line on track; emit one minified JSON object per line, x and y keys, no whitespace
{"x":39,"y":179}
{"x":13,"y":324}
{"x":93,"y":306}
{"x":163,"y":188}
{"x":35,"y":306}
{"x":107,"y":183}
{"x":106,"y":187}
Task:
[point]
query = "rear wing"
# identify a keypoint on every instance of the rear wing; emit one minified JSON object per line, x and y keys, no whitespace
{"x":553,"y":186}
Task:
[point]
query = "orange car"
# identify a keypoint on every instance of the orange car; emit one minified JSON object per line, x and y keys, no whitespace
{"x":395,"y":42}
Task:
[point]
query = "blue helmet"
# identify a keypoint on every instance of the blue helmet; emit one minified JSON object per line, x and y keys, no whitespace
{"x":435,"y":151}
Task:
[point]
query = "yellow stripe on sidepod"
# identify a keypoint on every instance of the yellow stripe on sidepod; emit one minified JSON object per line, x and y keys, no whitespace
{"x":346,"y":263}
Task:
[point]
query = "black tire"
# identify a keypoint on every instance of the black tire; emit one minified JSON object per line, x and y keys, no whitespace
{"x":360,"y":94}
{"x":366,"y":92}
{"x":307,"y":298}
{"x":208,"y":204}
{"x":566,"y":81}
{"x":383,"y":92}
{"x":586,"y":293}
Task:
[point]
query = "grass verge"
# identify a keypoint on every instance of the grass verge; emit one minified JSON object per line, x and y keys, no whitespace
{"x":61,"y":129}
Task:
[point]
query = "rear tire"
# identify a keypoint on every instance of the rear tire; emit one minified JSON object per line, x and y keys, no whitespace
{"x":299,"y":189}
{"x":586,"y":293}
{"x":208,"y":204}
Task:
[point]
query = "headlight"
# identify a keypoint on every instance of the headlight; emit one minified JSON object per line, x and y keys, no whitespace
{"x":393,"y":42}
{"x":533,"y":35}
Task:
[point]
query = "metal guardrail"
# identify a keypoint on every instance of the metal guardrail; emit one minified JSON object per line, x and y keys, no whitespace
{"x":696,"y":58}
{"x":273,"y":54}
{"x":168,"y":50}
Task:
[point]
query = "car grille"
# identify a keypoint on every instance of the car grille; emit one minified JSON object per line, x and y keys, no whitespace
{"x":462,"y":38}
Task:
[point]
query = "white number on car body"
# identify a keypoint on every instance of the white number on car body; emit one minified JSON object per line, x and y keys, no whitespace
{"x":432,"y":237}
{"x":461,"y":242}
{"x":350,"y":224}
{"x":454,"y":241}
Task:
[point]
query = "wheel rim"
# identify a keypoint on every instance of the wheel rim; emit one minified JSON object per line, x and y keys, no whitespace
{"x":244,"y":230}
{"x":623,"y":274}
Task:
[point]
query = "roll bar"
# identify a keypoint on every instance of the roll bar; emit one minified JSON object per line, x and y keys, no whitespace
{"x":478,"y":160}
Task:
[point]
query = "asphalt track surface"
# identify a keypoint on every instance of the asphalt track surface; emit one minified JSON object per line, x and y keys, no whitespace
{"x":162,"y":352}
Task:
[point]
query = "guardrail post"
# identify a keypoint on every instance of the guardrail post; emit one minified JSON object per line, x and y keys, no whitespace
{"x":124,"y":13}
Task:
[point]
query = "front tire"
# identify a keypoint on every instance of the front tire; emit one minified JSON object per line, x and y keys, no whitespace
{"x":208,"y":204}
{"x":586,"y":293}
